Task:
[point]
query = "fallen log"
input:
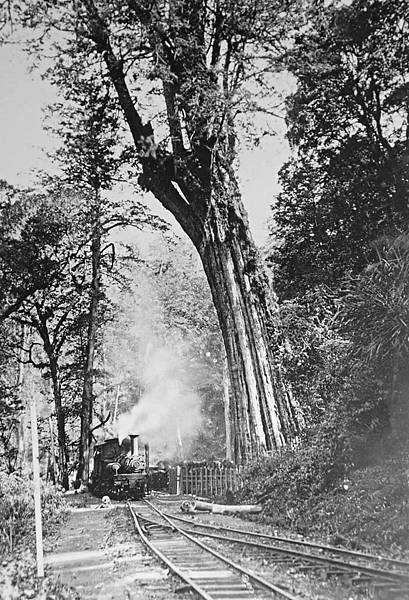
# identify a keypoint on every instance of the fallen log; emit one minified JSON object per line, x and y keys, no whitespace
{"x":191,"y":506}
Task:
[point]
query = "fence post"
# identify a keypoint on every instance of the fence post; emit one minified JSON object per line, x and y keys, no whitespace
{"x":178,"y":469}
{"x":206,"y":480}
{"x":186,"y":478}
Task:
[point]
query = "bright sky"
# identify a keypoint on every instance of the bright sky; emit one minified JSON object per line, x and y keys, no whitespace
{"x":22,"y":136}
{"x":24,"y":143}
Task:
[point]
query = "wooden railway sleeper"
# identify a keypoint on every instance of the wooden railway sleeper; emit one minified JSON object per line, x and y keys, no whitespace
{"x":255,"y":579}
{"x":380,"y":573}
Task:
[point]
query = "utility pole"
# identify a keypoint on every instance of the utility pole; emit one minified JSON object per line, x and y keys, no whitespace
{"x":37,"y":491}
{"x":23,"y":425}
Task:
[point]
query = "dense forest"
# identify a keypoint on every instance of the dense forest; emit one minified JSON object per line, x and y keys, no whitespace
{"x":291,"y":359}
{"x":338,"y":251}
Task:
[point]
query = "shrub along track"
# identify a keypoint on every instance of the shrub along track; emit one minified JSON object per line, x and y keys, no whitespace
{"x":212,"y":575}
{"x":383,"y":576}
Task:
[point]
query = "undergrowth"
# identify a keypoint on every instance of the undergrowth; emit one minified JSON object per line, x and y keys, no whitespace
{"x":18,"y":574}
{"x":18,"y":581}
{"x":365,"y":507}
{"x":17,"y":511}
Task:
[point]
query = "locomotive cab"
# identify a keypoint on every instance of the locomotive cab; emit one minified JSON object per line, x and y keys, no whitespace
{"x":119,"y":469}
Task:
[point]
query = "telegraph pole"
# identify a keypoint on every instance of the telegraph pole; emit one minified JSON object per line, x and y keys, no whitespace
{"x":37,"y":491}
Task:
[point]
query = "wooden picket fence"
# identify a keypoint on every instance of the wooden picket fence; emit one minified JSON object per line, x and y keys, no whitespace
{"x":209,"y":480}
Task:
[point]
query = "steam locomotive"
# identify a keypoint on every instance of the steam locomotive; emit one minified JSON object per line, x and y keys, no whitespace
{"x":120,"y":471}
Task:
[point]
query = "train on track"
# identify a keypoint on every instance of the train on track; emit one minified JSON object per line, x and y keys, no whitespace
{"x":122,"y":471}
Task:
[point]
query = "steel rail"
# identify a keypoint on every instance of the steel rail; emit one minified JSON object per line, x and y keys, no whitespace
{"x":380,"y":573}
{"x":388,"y":582}
{"x":306,"y":557}
{"x":315,"y":545}
{"x":252,"y":576}
{"x":202,"y":593}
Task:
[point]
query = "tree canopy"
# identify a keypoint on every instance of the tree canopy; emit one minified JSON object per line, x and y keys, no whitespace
{"x":182,"y":72}
{"x":347,"y":184}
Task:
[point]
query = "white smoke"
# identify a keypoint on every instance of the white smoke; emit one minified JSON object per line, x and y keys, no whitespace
{"x":168,"y":412}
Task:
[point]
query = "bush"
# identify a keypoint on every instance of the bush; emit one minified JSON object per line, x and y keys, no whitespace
{"x":18,"y":581}
{"x":17,"y":510}
{"x":346,"y":477}
{"x":322,"y":459}
{"x":373,"y":508}
{"x":366,"y":505}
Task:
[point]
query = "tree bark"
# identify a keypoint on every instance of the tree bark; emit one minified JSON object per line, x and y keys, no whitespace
{"x":53,"y":466}
{"x":60,"y":416}
{"x":264,"y":415}
{"x":88,"y":389}
{"x":227,"y":412}
{"x":197,"y":185}
{"x":52,"y":356}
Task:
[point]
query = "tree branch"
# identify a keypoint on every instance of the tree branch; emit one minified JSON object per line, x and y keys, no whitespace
{"x":173,"y":120}
{"x":169,"y":196}
{"x":98,"y":33}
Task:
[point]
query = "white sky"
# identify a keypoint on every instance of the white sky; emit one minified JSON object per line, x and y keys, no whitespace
{"x":24,"y":143}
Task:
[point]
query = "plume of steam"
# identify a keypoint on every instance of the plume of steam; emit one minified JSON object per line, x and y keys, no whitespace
{"x":168,"y":410}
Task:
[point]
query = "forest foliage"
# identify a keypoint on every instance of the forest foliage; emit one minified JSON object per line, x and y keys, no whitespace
{"x":338,"y":251}
{"x":347,"y":183}
{"x":46,"y":263}
{"x":339,"y":238}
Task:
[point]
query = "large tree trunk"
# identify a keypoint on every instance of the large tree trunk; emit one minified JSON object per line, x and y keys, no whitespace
{"x":227,"y":412}
{"x":60,"y":416}
{"x":197,"y":184}
{"x":261,"y":415}
{"x":88,"y":391}
{"x":264,"y":415}
{"x":56,"y":389}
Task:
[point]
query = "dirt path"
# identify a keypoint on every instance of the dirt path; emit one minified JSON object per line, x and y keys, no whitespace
{"x":97,"y":553}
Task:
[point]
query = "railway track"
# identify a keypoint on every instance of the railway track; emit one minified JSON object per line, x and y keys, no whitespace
{"x":385,"y":577}
{"x":209,"y":573}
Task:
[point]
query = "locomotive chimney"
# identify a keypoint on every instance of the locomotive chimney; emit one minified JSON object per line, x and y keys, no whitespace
{"x":134,"y":444}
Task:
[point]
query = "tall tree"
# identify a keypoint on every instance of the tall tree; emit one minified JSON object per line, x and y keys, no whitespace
{"x":91,"y":160}
{"x":348,"y":182}
{"x":87,"y":157}
{"x":45,"y":245}
{"x":24,"y":267}
{"x":200,"y":58}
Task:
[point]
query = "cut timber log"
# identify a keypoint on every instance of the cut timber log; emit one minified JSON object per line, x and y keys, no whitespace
{"x":191,"y":506}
